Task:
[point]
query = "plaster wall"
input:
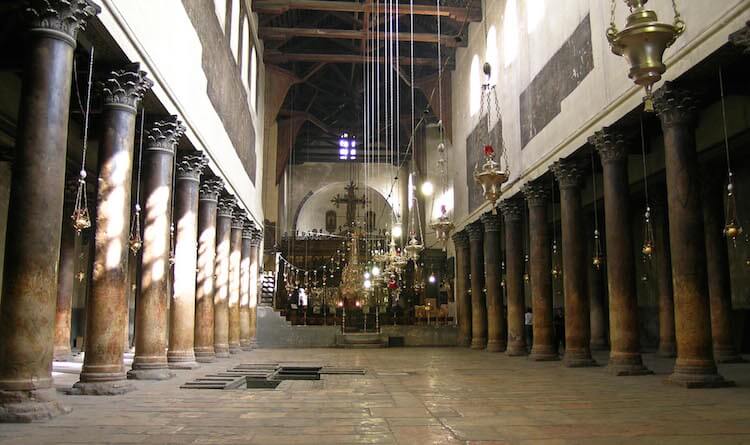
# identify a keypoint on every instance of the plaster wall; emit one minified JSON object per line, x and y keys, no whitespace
{"x":160,"y":35}
{"x":527,"y":33}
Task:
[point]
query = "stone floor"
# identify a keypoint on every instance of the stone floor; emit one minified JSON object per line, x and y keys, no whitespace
{"x":410,"y":396}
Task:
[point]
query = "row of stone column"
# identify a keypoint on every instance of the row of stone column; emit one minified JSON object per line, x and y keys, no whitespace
{"x":697,"y":277}
{"x":213,"y":281}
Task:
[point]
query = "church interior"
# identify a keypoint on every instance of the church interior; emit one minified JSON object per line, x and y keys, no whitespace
{"x":405,"y":222}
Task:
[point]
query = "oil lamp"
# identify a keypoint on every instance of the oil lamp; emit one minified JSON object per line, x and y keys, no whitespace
{"x":443,"y":226}
{"x":490,"y":175}
{"x":643,"y":42}
{"x":413,"y":248}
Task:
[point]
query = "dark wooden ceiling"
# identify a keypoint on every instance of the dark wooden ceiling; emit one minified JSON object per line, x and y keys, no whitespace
{"x":326,"y":44}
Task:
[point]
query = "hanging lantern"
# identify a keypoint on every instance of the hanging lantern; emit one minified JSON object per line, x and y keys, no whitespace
{"x":135,"y":242}
{"x":490,"y":176}
{"x":80,"y":216}
{"x":643,"y":42}
{"x":732,"y":228}
{"x":648,"y":235}
{"x":443,"y":226}
{"x":598,"y":258}
{"x":413,"y":249}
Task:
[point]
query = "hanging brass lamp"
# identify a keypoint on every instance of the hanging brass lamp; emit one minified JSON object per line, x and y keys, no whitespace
{"x":490,"y":176}
{"x":413,"y":249}
{"x":643,"y":43}
{"x":443,"y":226}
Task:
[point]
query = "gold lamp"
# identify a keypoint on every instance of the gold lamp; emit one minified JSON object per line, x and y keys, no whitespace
{"x":490,"y":176}
{"x":643,"y":42}
{"x":443,"y":226}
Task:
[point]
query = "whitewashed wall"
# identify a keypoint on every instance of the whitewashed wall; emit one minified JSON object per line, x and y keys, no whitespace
{"x":527,"y":33}
{"x":160,"y":35}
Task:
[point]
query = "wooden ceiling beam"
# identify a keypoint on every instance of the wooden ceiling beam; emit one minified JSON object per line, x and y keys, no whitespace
{"x":275,"y":57}
{"x":278,"y":33}
{"x":457,"y":14}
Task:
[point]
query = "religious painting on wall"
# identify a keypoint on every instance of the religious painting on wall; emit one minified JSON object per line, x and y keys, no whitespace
{"x":331,"y":221}
{"x":475,"y":155}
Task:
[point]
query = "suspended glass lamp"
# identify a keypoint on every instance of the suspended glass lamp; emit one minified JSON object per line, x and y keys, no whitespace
{"x":643,"y":42}
{"x":494,"y":171}
{"x":443,"y":225}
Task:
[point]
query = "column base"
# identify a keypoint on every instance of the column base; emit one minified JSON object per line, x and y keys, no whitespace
{"x":496,"y":346}
{"x":221,"y":350}
{"x":150,"y":374}
{"x":30,"y":406}
{"x":599,"y":344}
{"x":205,"y":356}
{"x":543,"y":353}
{"x":697,"y":376}
{"x":626,"y":364}
{"x":62,"y":354}
{"x":184,"y":365}
{"x":182,"y":360}
{"x":234,"y":349}
{"x":578,"y":359}
{"x":667,"y":350}
{"x":516,"y":350}
{"x":478,"y":343}
{"x":727,"y":355}
{"x":464,"y":341}
{"x":113,"y":388}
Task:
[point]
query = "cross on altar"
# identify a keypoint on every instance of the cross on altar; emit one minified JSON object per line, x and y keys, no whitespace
{"x":351,"y":201}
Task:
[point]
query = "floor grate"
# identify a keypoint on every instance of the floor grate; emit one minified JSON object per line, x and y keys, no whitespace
{"x":266,"y":375}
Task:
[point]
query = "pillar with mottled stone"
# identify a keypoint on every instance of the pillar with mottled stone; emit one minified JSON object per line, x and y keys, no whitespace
{"x":514,"y":257}
{"x":66,"y":272}
{"x":463,"y":301}
{"x":224,"y":212}
{"x":245,"y":250}
{"x":492,"y":258}
{"x":478,"y":302}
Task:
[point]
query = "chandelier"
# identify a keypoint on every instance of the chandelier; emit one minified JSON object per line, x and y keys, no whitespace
{"x":443,"y":226}
{"x":643,"y":42}
{"x":491,"y":175}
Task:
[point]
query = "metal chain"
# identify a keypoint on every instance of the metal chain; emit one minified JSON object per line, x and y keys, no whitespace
{"x":612,"y":30}
{"x":678,"y":22}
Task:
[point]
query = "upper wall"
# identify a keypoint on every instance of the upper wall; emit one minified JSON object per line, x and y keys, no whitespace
{"x":199,"y":74}
{"x":558,"y":81}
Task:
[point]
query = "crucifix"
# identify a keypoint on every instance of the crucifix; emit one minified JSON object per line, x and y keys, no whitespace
{"x":351,"y":201}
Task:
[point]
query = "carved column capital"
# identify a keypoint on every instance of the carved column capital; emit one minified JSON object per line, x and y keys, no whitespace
{"x":238,"y":218}
{"x":476,"y":231}
{"x":226,"y":205}
{"x":257,"y":237}
{"x":741,"y":39}
{"x":537,"y":195}
{"x":567,"y":173}
{"x":210,"y":189}
{"x":511,"y":209}
{"x":126,"y":87}
{"x":491,"y":222}
{"x":610,"y":144}
{"x":675,"y":106}
{"x":461,"y":239}
{"x":248,"y":229}
{"x":62,"y":19}
{"x":164,"y":135}
{"x":191,"y":166}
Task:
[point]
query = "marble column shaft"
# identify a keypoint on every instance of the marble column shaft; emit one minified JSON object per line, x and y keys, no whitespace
{"x":254,"y":264}
{"x":478,"y":302}
{"x":221,"y":291}
{"x":625,"y":351}
{"x":544,"y":347}
{"x":182,"y":311}
{"x":511,"y":210}
{"x":235,"y":264}
{"x":27,"y":312}
{"x":463,"y":300}
{"x":246,"y":248}
{"x":695,"y":366}
{"x":719,"y":282}
{"x":492,"y":258}
{"x":107,"y":313}
{"x":66,"y":275}
{"x":577,"y":321}
{"x":150,"y":360}
{"x":206,"y":284}
{"x":663,"y":271}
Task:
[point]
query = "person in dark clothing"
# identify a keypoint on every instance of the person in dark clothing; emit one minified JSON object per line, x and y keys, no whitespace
{"x":558,"y":323}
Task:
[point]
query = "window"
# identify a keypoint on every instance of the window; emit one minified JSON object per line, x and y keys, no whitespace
{"x":234,"y":33}
{"x":347,"y":147}
{"x":245,"y":66}
{"x":253,"y":78}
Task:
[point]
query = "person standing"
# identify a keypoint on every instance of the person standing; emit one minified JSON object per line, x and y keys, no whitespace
{"x":528,"y":320}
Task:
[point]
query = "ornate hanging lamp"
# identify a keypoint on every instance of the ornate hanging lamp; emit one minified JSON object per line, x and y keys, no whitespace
{"x":643,"y":42}
{"x":135,"y":242}
{"x":647,"y":248}
{"x":732,"y":227}
{"x":494,"y":172}
{"x":81,"y":216}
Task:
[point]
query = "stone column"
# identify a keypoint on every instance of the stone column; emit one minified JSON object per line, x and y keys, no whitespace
{"x":597,"y":314}
{"x":511,"y":210}
{"x":540,"y":265}
{"x":663,"y":266}
{"x":235,"y":264}
{"x":66,"y":275}
{"x":36,"y":206}
{"x":463,"y":302}
{"x":495,"y":312}
{"x":577,"y":322}
{"x":204,"y":296}
{"x":221,"y":290}
{"x":182,"y":311}
{"x":254,"y":277}
{"x":106,"y":312}
{"x":478,"y":303}
{"x":695,"y":366}
{"x":150,"y":360}
{"x":246,"y":248}
{"x":719,"y":284}
{"x":625,"y":350}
